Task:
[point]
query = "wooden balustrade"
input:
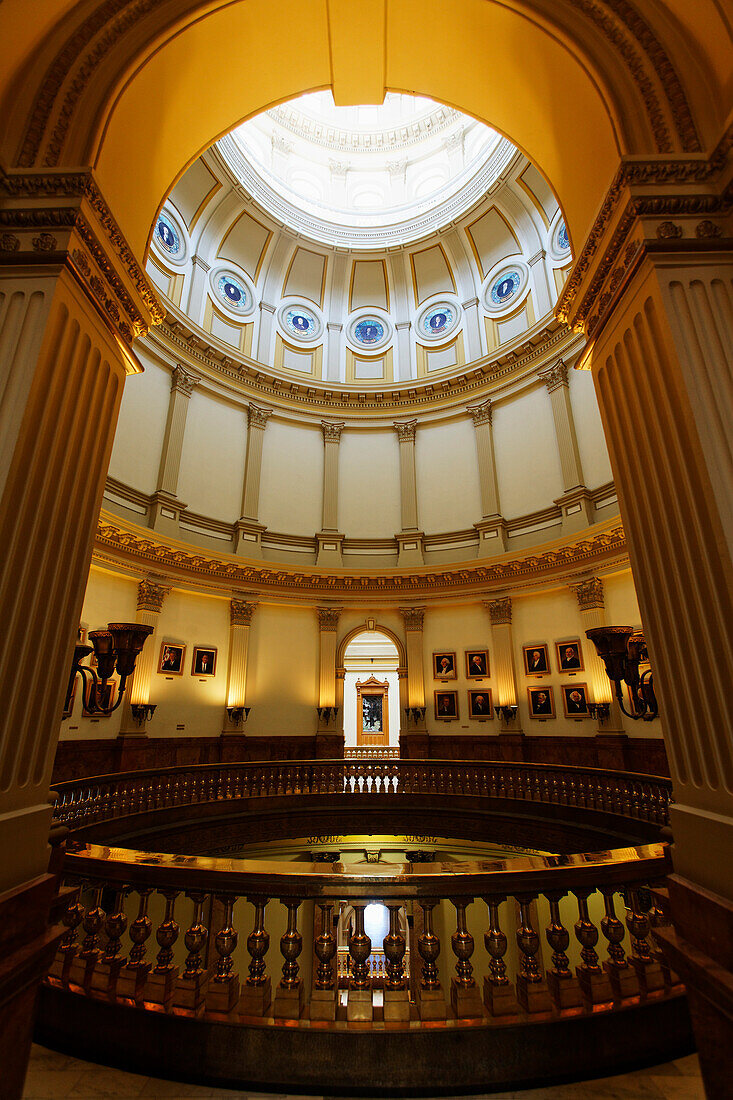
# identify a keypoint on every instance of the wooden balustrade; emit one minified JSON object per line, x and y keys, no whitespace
{"x":83,"y":802}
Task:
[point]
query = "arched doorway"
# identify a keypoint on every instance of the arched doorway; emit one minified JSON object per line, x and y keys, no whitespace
{"x":371,"y":695}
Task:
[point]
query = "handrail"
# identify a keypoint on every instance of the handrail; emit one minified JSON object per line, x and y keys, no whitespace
{"x":82,"y":802}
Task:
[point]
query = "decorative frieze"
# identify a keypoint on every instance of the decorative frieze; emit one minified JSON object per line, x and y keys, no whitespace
{"x":405,"y":430}
{"x":150,"y":595}
{"x":554,"y":376}
{"x":589,"y":593}
{"x":241,"y":611}
{"x":500,"y":610}
{"x":184,"y":381}
{"x":331,"y":431}
{"x":257,"y":416}
{"x":328,"y":617}
{"x":413,"y":617}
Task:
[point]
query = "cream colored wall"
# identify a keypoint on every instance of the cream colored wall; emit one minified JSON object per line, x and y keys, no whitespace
{"x":291,"y":487}
{"x":282,"y":678}
{"x":140,"y":428}
{"x":448,"y":493}
{"x":589,"y":429}
{"x":212,"y":460}
{"x":369,"y":484}
{"x":456,"y":628}
{"x":527,"y":458}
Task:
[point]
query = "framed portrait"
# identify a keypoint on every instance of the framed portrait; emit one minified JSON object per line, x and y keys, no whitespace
{"x":536,"y":659}
{"x":171,"y":659}
{"x":444,"y":666}
{"x":477,"y":664}
{"x":446,"y":705}
{"x":104,"y":696}
{"x":575,"y":700}
{"x":204,"y":661}
{"x":541,"y":702}
{"x":480,"y":705}
{"x":570,"y":656}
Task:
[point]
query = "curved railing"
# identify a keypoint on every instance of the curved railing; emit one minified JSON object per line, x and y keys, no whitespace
{"x":82,"y":802}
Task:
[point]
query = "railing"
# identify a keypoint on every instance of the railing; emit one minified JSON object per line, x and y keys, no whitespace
{"x":371,"y":752}
{"x":85,"y":801}
{"x":579,"y":899}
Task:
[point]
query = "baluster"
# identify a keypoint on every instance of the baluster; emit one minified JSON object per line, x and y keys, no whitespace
{"x":289,"y":996}
{"x":431,"y":1002}
{"x":499,"y":994}
{"x":191,"y":986}
{"x":107,"y":971}
{"x":257,"y":990}
{"x":647,"y":968}
{"x":359,"y":1000}
{"x":532,"y":992}
{"x":71,"y":918}
{"x":623,"y":979}
{"x":593,"y":980}
{"x":161,"y":980}
{"x":396,"y":993}
{"x":134,"y":974}
{"x":564,"y":988}
{"x":82,"y":968}
{"x":324,"y":995}
{"x":223,"y":991}
{"x":464,"y":994}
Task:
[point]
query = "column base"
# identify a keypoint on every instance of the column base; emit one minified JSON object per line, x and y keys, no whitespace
{"x":190,"y":993}
{"x":165,"y":513}
{"x":255,"y":1000}
{"x":330,"y":549}
{"x":410,"y":548}
{"x":248,"y":538}
{"x":396,"y":1005}
{"x":500,"y":1000}
{"x":359,"y":1008}
{"x":565,"y":991}
{"x":159,"y":988}
{"x":221,"y":996}
{"x":533,"y":996}
{"x":288,"y":1004}
{"x":465,"y":1001}
{"x":131,"y":981}
{"x":623,"y":979}
{"x":578,"y":510}
{"x":431,"y":1004}
{"x":492,"y":536}
{"x":323,"y":1004}
{"x":595,"y":985}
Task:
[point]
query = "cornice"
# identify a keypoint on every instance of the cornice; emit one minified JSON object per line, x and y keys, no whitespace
{"x":139,"y":549}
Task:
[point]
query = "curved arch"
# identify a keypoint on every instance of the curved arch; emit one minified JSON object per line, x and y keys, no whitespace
{"x":376,"y":629}
{"x":101,"y":77}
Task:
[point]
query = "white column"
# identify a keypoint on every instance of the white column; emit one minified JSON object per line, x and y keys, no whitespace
{"x":330,"y":728}
{"x":334,"y":351}
{"x":409,"y":538}
{"x":241,"y":611}
{"x":492,"y":526}
{"x":472,"y":330}
{"x":405,"y":369}
{"x":264,"y":335}
{"x":414,"y":618}
{"x":543,"y":292}
{"x":150,"y":598}
{"x":330,"y":541}
{"x":576,"y":504}
{"x":592,"y":607}
{"x":198,"y":289}
{"x":165,"y":511}
{"x":248,"y":529}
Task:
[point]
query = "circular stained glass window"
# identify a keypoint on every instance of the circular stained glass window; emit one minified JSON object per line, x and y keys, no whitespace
{"x":301,"y":323}
{"x":437,"y":321}
{"x":233,"y":293}
{"x":505,"y":287}
{"x":563,"y":241}
{"x":167,"y":235}
{"x":369,"y":331}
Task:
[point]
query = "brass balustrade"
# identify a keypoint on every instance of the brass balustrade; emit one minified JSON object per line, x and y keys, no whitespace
{"x":516,"y":981}
{"x":86,"y":801}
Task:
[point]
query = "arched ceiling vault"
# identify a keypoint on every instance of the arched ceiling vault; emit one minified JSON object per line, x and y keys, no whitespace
{"x":138,"y":88}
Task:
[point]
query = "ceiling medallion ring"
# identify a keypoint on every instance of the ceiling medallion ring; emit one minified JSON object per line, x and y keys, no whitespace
{"x":169,"y":238}
{"x":559,"y":240}
{"x":506,"y":286}
{"x":437,"y":320}
{"x":232,"y":291}
{"x":300,"y":322}
{"x":369,"y":331}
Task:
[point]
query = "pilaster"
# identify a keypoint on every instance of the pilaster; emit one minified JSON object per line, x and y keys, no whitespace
{"x":265,"y":332}
{"x":330,"y":724}
{"x":241,"y":611}
{"x":500,"y":614}
{"x":575,"y":503}
{"x":414,"y":732}
{"x":472,"y":329}
{"x":151,"y":596}
{"x":248,"y":529}
{"x":166,"y":508}
{"x":492,"y":526}
{"x":404,"y":351}
{"x":329,"y":539}
{"x":410,"y":538}
{"x":334,"y":342}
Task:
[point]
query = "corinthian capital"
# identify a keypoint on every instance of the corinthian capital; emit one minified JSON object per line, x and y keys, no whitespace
{"x":150,"y":596}
{"x":483,"y":413}
{"x":500,"y":611}
{"x":405,"y":430}
{"x":257,"y":417}
{"x":589,"y":593}
{"x":554,"y":376}
{"x":184,"y":381}
{"x":328,"y":617}
{"x":331,"y":431}
{"x":413,"y":616}
{"x":241,"y":612}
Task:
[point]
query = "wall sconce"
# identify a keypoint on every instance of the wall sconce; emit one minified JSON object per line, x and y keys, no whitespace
{"x":508,"y":712}
{"x":238,"y":715}
{"x":621,"y":651}
{"x":416,"y":714}
{"x":326,"y":713}
{"x":142,"y":712}
{"x":600,"y":711}
{"x":116,"y":649}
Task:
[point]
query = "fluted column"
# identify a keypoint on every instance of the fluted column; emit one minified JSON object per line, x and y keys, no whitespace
{"x":150,"y":599}
{"x":410,"y":537}
{"x":576,"y":504}
{"x":472,"y":329}
{"x":329,"y":738}
{"x":248,"y":529}
{"x":500,"y":614}
{"x":241,"y":611}
{"x":492,"y":526}
{"x":414,"y":732}
{"x":329,"y":540}
{"x":165,"y":511}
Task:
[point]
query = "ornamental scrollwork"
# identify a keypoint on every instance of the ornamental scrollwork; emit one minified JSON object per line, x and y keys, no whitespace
{"x":150,"y":596}
{"x":241,"y":611}
{"x":589,"y":593}
{"x":413,"y":617}
{"x":500,"y":610}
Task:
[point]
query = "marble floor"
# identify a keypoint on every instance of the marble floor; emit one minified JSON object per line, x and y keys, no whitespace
{"x":53,"y":1076}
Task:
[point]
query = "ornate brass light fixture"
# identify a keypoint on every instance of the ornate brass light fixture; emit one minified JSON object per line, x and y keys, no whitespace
{"x":237,"y":715}
{"x":142,"y":712}
{"x":508,"y":712}
{"x":116,"y":649}
{"x":621,"y":651}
